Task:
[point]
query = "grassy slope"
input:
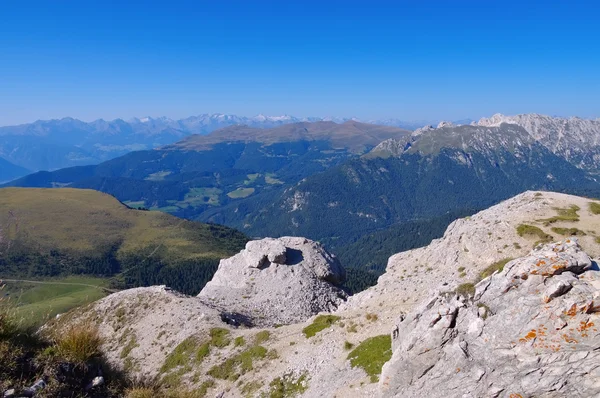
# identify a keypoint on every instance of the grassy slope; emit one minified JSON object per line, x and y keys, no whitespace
{"x":74,"y":219}
{"x":34,"y":303}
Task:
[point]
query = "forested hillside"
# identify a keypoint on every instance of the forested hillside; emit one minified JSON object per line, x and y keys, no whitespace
{"x":56,"y":232}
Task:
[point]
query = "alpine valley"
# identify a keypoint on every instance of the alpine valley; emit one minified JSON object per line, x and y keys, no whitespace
{"x":365,"y":191}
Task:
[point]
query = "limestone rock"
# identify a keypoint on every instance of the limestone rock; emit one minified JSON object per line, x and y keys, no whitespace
{"x":277,"y":281}
{"x":537,"y":335}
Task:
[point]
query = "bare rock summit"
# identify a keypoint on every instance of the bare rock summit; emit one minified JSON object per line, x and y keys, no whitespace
{"x":276,"y":282}
{"x":530,"y":330}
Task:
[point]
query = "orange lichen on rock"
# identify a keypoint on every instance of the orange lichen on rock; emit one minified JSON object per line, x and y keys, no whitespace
{"x":584,"y":326}
{"x":514,"y":395}
{"x":529,"y":336}
{"x":572,"y":311}
{"x":569,"y":339}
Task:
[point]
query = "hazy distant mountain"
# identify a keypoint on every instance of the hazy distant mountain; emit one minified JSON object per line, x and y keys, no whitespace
{"x":54,"y":144}
{"x":9,"y":171}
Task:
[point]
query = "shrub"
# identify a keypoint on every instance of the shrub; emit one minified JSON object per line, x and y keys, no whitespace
{"x":79,"y":344}
{"x":371,"y":354}
{"x":320,"y":323}
{"x":348,"y":345}
{"x":239,"y":341}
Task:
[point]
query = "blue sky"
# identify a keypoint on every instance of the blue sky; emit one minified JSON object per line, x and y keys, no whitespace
{"x":370,"y":59}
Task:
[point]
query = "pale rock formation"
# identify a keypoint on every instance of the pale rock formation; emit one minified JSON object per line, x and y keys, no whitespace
{"x":530,"y":330}
{"x":277,"y":281}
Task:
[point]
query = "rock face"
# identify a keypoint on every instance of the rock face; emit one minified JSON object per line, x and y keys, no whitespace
{"x":575,"y":139}
{"x":530,"y":330}
{"x":277,"y":281}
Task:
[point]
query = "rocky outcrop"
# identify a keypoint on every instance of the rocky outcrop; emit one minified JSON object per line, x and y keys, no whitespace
{"x":530,"y":330}
{"x":277,"y":281}
{"x":575,"y":139}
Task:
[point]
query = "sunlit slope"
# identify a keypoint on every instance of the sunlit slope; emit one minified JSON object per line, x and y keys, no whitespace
{"x":48,"y":232}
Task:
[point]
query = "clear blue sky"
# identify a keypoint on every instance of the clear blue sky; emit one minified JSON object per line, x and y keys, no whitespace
{"x":371,"y":59}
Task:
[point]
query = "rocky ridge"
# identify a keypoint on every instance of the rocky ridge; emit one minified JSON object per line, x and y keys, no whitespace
{"x":530,"y":330}
{"x":574,"y":139}
{"x":158,"y":323}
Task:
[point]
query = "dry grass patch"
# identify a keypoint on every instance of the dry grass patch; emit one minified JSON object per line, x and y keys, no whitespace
{"x":79,"y":344}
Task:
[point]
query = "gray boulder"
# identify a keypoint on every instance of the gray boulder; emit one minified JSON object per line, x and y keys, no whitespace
{"x":276,"y":282}
{"x":528,"y":331}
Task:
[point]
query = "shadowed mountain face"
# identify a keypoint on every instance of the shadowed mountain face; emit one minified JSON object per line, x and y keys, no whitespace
{"x":9,"y":171}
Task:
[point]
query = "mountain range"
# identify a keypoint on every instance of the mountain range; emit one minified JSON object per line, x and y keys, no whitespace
{"x":54,"y":144}
{"x":366,"y":191}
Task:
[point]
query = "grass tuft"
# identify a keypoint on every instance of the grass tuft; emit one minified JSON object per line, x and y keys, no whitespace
{"x":239,"y":341}
{"x":320,"y":323}
{"x":465,"y":289}
{"x":568,"y":231}
{"x":180,"y":355}
{"x":371,"y":354}
{"x":288,"y":385}
{"x":594,"y":207}
{"x":219,"y":337}
{"x":530,"y":230}
{"x":79,"y":344}
{"x":234,"y":367}
{"x":261,"y":337}
{"x":569,"y":214}
{"x":497,"y":266}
